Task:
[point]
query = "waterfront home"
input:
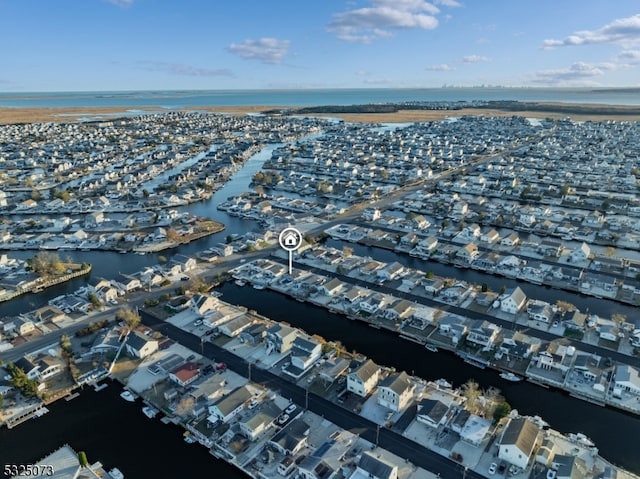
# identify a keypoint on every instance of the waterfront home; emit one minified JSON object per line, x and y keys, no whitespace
{"x":594,"y":369}
{"x":185,"y":374}
{"x":140,"y":345}
{"x":491,"y":236}
{"x":609,"y":332}
{"x":389,"y":272}
{"x":627,"y":379}
{"x":201,"y":304}
{"x":332,"y":287}
{"x":253,"y":334}
{"x":580,"y":254}
{"x":332,"y":369}
{"x":513,"y":300}
{"x":510,"y":240}
{"x":328,"y":459}
{"x":30,"y":368}
{"x":255,"y":424}
{"x":353,"y":295}
{"x":468,"y":253}
{"x":432,"y":412}
{"x":483,"y":333}
{"x":372,"y":303}
{"x":126,"y":283}
{"x":569,"y":467}
{"x":280,"y":337}
{"x":550,"y":248}
{"x":540,"y":311}
{"x":554,"y":356}
{"x":230,"y":405}
{"x":432,"y":285}
{"x":235,"y":326}
{"x":518,"y":441}
{"x":291,"y":438}
{"x":425,"y":246}
{"x":305,"y":352}
{"x":516,"y":344}
{"x":475,"y":429}
{"x":396,"y":391}
{"x":49,"y":366}
{"x":453,"y":327}
{"x":399,"y":309}
{"x":364,"y":378}
{"x":23,"y":326}
{"x":371,"y":466}
{"x":107,"y":341}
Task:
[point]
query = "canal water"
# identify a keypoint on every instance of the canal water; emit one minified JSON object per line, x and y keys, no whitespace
{"x":614,"y":432}
{"x":117,"y":434}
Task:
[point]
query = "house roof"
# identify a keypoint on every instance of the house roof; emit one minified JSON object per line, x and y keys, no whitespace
{"x":398,"y":383}
{"x":25,"y":364}
{"x":432,"y":408}
{"x":366,"y":370}
{"x":137,"y":340}
{"x":516,"y":295}
{"x":233,"y":400}
{"x":290,"y":436}
{"x":521,"y":433}
{"x":186,"y":371}
{"x":375,"y":466}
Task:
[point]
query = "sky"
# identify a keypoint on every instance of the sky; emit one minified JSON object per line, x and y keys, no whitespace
{"x":109,"y":45}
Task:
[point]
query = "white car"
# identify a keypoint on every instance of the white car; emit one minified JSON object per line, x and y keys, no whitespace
{"x":253,"y":403}
{"x":492,"y":468}
{"x":282,"y":419}
{"x":290,"y":408}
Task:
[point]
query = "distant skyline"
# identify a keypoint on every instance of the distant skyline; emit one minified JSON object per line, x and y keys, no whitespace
{"x":97,"y":45}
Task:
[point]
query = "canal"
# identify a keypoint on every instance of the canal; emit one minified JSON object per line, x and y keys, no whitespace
{"x":613,"y":431}
{"x":117,"y":434}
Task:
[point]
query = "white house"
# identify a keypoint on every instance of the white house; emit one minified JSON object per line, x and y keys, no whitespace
{"x":230,"y":405}
{"x":373,"y":466}
{"x":364,"y":378}
{"x":518,"y":442}
{"x":513,"y":300}
{"x":432,"y":412}
{"x":396,"y":391}
{"x":627,"y":379}
{"x":185,"y":374}
{"x":581,"y":253}
{"x":141,"y":346}
{"x":305,"y":352}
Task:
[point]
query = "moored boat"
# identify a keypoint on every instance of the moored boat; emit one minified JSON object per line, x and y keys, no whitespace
{"x":150,"y":412}
{"x":431,"y":347}
{"x":128,"y":396}
{"x":509,"y":376}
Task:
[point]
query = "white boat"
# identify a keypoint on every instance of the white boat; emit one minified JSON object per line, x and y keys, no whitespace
{"x":116,"y":474}
{"x":431,"y":347}
{"x":239,"y":282}
{"x":444,"y":384}
{"x":150,"y":412}
{"x":40,"y":412}
{"x":259,"y":286}
{"x":510,"y":377}
{"x":128,"y":396}
{"x":188,"y":438}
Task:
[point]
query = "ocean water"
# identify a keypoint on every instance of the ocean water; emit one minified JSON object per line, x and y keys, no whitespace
{"x":178,"y":99}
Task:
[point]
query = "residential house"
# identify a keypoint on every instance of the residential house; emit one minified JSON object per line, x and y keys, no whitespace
{"x":305,"y":352}
{"x":483,"y":333}
{"x":554,"y":356}
{"x":185,"y":374}
{"x":140,"y":345}
{"x":186,"y":262}
{"x":516,"y":344}
{"x":513,"y":300}
{"x":364,"y":378}
{"x":569,"y":467}
{"x":372,"y":466}
{"x":201,"y":304}
{"x":235,"y":326}
{"x":127,"y":283}
{"x":291,"y":438}
{"x":396,"y":391}
{"x":230,"y":405}
{"x":468,"y":253}
{"x":48,"y":314}
{"x":49,"y":366}
{"x":253,"y":334}
{"x":518,"y":442}
{"x":30,"y":368}
{"x":540,"y":311}
{"x":107,"y":340}
{"x":433,"y":285}
{"x":475,"y":429}
{"x":253,"y":425}
{"x":389,"y":272}
{"x":24,"y":326}
{"x":281,"y":337}
{"x":454,"y":327}
{"x":432,"y":412}
{"x":510,"y":240}
{"x":491,"y":236}
{"x":398,"y":310}
{"x":332,"y":287}
{"x":627,"y":378}
{"x":580,"y":254}
{"x":550,"y":248}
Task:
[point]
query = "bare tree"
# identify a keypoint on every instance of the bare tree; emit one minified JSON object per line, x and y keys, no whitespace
{"x":128,"y":316}
{"x":471,"y":392}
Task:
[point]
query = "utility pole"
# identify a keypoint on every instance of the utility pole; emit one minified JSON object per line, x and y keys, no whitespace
{"x":306,"y":399}
{"x":377,"y":433}
{"x":249,"y":364}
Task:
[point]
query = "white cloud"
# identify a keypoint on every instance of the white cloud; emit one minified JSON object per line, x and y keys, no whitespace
{"x":367,"y":24}
{"x":629,"y":56}
{"x":579,"y":73}
{"x":120,"y":3}
{"x":623,"y":31}
{"x":183,"y":69}
{"x":266,"y":50}
{"x":448,"y":3}
{"x":474,"y":59}
{"x":443,"y":67}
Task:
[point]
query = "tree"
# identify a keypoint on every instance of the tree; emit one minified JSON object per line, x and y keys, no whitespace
{"x":618,"y":318}
{"x":65,"y":344}
{"x":502,"y":410}
{"x":564,"y":306}
{"x":610,"y":252}
{"x":46,"y":264}
{"x":172,"y":234}
{"x":485,"y":287}
{"x":95,"y":301}
{"x":129,"y":317}
{"x":471,"y":392}
{"x":347,"y":251}
{"x":429,"y":275}
{"x":82,"y":459}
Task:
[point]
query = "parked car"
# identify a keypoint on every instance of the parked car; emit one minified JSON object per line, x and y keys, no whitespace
{"x":253,"y":403}
{"x":492,"y":468}
{"x":290,"y":408}
{"x":282,"y":419}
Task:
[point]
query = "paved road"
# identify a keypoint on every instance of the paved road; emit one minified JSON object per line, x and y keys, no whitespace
{"x":344,"y":418}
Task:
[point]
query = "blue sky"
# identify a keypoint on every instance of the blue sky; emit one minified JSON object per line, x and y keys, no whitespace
{"x":71,"y":45}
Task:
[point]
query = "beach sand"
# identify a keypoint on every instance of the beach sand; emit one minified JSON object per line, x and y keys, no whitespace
{"x":35,"y":115}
